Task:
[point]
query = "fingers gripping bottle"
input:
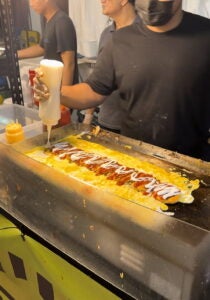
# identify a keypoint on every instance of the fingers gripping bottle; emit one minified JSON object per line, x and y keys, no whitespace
{"x":49,"y":110}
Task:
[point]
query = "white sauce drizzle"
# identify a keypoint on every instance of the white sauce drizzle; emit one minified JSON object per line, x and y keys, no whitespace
{"x":122,"y":170}
{"x":163,"y":190}
{"x":110,"y":164}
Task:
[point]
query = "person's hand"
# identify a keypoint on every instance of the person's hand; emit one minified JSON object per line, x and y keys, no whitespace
{"x":88,"y":119}
{"x":41,"y":91}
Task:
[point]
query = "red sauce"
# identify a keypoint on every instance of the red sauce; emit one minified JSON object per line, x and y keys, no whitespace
{"x":100,"y":165}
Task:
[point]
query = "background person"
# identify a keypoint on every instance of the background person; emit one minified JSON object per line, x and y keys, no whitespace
{"x":58,"y":41}
{"x":122,"y":12}
{"x":161,"y":67}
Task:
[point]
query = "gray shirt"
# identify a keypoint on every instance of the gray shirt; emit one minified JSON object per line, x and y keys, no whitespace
{"x":59,"y":36}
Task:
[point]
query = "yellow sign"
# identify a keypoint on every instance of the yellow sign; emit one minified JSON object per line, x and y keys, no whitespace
{"x":30,"y":271}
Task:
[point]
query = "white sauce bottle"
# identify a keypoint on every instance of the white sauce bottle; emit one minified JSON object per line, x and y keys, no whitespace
{"x":49,"y":110}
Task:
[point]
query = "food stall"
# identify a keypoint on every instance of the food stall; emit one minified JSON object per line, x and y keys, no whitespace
{"x":136,"y":252}
{"x":63,"y":238}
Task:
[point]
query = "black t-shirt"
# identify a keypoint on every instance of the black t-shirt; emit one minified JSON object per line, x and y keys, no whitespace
{"x":164,"y":83}
{"x":59,"y":36}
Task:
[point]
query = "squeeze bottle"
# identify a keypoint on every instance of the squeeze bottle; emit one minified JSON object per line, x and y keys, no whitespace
{"x":49,"y":110}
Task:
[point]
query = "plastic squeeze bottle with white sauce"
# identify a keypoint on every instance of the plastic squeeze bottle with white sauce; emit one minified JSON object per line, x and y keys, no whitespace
{"x":49,"y":110}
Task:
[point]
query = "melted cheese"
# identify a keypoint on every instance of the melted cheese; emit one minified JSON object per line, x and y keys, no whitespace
{"x":142,"y":182}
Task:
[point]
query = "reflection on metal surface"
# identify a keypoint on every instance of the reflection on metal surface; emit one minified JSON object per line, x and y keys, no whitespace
{"x":132,"y":258}
{"x":159,"y":284}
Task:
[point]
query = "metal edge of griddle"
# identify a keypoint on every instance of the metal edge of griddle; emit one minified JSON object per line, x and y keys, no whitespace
{"x":197,"y":238}
{"x":195,"y":214}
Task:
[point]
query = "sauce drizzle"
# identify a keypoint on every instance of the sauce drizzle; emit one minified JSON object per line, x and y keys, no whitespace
{"x":143,"y":182}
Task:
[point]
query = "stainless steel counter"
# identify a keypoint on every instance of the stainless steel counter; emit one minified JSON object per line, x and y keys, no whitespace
{"x":146,"y":254}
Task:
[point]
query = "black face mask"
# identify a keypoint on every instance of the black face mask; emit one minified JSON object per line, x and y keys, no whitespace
{"x":154,"y":12}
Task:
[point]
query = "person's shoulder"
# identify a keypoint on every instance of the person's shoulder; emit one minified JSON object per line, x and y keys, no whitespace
{"x":62,"y":20}
{"x":109,"y":29}
{"x":127,"y":30}
{"x":196,"y":19}
{"x":61,"y":15}
{"x":136,"y":22}
{"x":197,"y":25}
{"x":105,"y":36}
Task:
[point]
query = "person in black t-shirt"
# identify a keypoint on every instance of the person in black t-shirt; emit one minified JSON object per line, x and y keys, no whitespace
{"x":58,"y":41}
{"x":161,"y":67}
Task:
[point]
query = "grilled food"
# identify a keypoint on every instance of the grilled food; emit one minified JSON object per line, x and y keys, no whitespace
{"x":118,"y":173}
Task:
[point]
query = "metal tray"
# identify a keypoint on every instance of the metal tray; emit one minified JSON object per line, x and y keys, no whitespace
{"x":196,"y":213}
{"x":141,"y":252}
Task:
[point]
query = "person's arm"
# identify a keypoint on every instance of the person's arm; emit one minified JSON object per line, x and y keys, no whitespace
{"x":68,"y":59}
{"x":30,"y":52}
{"x":93,"y":92}
{"x":88,"y":115}
{"x":99,"y":84}
{"x":80,"y":96}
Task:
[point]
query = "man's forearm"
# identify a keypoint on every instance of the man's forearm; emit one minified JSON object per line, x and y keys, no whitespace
{"x":33,"y":51}
{"x":80,"y":96}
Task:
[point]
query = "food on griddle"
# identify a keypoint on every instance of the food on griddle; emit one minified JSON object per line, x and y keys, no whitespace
{"x":118,"y":173}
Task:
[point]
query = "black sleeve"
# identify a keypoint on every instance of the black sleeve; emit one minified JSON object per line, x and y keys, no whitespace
{"x":102,"y":79}
{"x":65,"y":35}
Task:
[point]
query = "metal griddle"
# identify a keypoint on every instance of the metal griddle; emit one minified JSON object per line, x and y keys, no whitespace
{"x":143,"y":253}
{"x":196,"y":213}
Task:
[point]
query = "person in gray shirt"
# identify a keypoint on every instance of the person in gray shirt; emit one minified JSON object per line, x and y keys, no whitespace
{"x":123,"y":14}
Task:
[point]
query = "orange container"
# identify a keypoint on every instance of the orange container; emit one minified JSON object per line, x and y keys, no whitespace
{"x":14,"y":133}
